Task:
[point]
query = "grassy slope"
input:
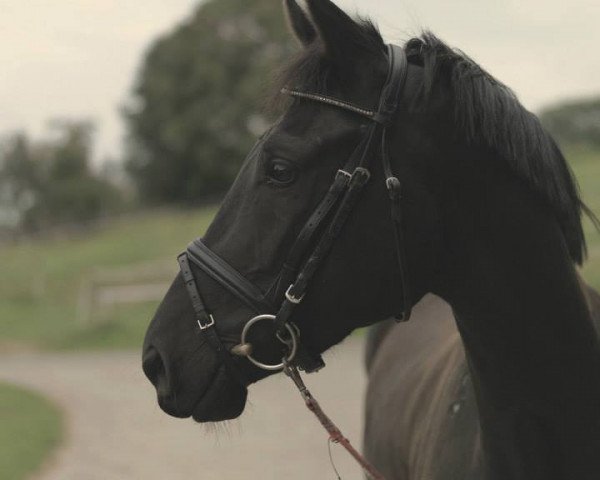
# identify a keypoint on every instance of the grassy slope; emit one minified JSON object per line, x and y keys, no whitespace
{"x":48,"y":317}
{"x":586,"y":165}
{"x":31,"y":429}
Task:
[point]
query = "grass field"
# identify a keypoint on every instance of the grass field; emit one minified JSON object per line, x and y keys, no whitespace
{"x":30,"y":430}
{"x":40,"y":281}
{"x":586,"y":165}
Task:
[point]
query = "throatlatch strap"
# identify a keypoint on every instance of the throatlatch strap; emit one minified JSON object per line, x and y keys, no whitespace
{"x":394,"y":188}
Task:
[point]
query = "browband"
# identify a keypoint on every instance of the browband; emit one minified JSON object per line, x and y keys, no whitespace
{"x":329,"y":101}
{"x":390,"y":95}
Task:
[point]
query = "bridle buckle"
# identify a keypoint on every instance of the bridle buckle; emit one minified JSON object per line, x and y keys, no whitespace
{"x":394,"y":187}
{"x":291,"y":298}
{"x":204,"y":326}
{"x":345,"y":173}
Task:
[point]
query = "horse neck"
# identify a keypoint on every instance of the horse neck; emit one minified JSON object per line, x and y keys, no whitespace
{"x":532,"y":351}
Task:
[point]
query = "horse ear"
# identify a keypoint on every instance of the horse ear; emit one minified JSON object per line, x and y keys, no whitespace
{"x":299,"y":23}
{"x":341,"y":35}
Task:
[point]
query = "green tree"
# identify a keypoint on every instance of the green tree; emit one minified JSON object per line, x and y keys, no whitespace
{"x":52,"y":182}
{"x":20,"y":179}
{"x":72,"y":152}
{"x":576,"y":122}
{"x":197,"y":104}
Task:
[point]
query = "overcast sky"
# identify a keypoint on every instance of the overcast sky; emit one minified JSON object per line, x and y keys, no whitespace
{"x":78,"y":58}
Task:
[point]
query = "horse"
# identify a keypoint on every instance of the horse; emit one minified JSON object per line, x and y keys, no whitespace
{"x":421,"y":414}
{"x":391,"y":174}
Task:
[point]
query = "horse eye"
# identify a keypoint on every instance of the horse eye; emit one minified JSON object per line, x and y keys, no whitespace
{"x":281,"y":172}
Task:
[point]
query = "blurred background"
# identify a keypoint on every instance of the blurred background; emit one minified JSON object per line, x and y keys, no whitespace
{"x":123,"y":124}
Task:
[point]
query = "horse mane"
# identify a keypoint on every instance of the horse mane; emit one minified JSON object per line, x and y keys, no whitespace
{"x":486,"y":112}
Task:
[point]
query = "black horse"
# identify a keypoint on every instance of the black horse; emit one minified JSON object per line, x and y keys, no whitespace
{"x":491,"y":224}
{"x":421,"y":411}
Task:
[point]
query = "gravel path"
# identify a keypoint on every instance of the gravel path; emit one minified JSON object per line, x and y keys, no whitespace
{"x":115,"y":429}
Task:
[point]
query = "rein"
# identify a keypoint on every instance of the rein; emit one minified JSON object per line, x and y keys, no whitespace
{"x":335,"y":434}
{"x":301,"y":264}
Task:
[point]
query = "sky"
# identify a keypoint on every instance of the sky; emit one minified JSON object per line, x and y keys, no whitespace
{"x":79,"y":58}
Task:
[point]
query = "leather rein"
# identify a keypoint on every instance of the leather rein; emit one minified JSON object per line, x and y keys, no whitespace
{"x":301,"y":264}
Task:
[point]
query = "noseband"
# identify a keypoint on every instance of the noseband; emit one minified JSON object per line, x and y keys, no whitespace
{"x":301,"y":264}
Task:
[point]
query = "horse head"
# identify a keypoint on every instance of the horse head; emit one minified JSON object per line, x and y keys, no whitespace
{"x":280,"y":223}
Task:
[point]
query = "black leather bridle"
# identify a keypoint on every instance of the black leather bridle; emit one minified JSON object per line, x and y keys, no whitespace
{"x":302,"y":263}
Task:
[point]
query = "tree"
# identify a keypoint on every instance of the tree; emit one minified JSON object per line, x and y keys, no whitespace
{"x":51,"y":182}
{"x":197,"y":103}
{"x":19,"y":179}
{"x":576,"y":122}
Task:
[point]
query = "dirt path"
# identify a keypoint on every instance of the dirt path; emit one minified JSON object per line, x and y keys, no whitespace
{"x":116,"y":431}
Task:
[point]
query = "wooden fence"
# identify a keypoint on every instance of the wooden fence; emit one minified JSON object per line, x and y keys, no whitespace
{"x":107,"y":287}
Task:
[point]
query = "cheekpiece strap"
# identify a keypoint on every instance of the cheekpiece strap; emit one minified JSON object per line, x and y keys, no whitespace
{"x":394,"y":84}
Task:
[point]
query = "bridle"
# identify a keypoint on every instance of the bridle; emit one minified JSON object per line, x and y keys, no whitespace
{"x":301,"y":264}
{"x":321,"y":230}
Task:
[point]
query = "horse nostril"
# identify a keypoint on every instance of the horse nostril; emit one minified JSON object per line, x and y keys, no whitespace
{"x":154,"y":367}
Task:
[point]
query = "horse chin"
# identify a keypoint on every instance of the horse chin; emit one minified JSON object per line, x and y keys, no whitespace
{"x":224,"y":400}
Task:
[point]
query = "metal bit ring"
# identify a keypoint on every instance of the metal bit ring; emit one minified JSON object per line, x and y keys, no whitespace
{"x":292,"y":345}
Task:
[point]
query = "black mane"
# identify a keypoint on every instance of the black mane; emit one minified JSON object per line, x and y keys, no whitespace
{"x":487,"y":113}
